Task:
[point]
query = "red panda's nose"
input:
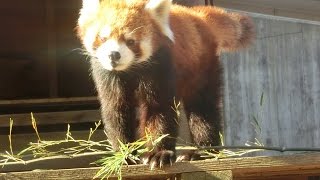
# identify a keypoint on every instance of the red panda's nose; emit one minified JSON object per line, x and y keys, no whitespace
{"x":114,"y":56}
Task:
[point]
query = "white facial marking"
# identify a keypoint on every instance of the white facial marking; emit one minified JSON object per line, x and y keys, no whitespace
{"x":105,"y":31}
{"x":103,"y":52}
{"x":89,"y":38}
{"x":146,"y":46}
{"x":89,"y":7}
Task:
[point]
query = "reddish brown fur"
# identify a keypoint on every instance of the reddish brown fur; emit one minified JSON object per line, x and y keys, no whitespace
{"x":201,"y":33}
{"x":190,"y":63}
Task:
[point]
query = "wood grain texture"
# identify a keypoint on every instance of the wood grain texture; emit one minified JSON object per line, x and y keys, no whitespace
{"x":284,"y":66}
{"x":254,"y":167}
{"x":32,"y":102}
{"x":193,"y":175}
{"x":51,"y":118}
{"x":209,"y":175}
{"x":219,"y":175}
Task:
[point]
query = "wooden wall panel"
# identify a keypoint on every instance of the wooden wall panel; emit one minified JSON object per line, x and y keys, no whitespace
{"x":40,"y":55}
{"x":23,"y":49}
{"x":284,"y":66}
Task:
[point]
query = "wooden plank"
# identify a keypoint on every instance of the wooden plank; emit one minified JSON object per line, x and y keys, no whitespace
{"x":33,"y":102}
{"x":193,"y":176}
{"x":284,"y":175}
{"x":219,"y":175}
{"x":48,"y":118}
{"x":9,"y":107}
{"x":209,"y":175}
{"x":254,"y":167}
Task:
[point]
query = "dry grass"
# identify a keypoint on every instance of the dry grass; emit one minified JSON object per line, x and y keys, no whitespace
{"x":113,"y":162}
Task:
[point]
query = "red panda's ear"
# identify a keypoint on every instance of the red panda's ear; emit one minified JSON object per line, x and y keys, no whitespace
{"x":90,"y":4}
{"x":88,"y":7}
{"x":160,"y":11}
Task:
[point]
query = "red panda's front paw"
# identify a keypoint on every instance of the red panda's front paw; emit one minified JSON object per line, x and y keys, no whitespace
{"x":159,"y":159}
{"x":189,"y":156}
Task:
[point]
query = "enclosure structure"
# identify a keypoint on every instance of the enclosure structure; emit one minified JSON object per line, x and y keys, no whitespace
{"x":276,"y":84}
{"x":293,"y":167}
{"x":44,"y":62}
{"x":42,"y":71}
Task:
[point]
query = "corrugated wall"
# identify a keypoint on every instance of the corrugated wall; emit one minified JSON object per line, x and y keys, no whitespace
{"x":284,"y":66}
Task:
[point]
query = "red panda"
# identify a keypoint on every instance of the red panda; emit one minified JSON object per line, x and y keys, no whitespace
{"x":147,"y":53}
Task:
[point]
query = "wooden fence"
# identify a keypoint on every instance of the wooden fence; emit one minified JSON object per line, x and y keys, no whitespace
{"x":284,"y":66}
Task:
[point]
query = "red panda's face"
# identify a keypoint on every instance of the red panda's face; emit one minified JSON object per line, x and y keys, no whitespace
{"x":118,"y":48}
{"x":120,"y":34}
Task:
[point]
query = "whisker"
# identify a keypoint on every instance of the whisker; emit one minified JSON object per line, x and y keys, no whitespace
{"x":135,"y":30}
{"x":77,"y":49}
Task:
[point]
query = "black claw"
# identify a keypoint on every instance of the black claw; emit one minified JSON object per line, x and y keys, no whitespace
{"x":159,"y":159}
{"x":195,"y":157}
{"x":189,"y":156}
{"x":146,"y":157}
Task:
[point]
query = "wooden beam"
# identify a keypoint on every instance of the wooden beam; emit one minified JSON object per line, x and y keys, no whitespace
{"x":210,"y":175}
{"x":32,"y":102}
{"x":51,"y":118}
{"x":48,"y":108}
{"x":242,"y":168}
{"x":57,"y":163}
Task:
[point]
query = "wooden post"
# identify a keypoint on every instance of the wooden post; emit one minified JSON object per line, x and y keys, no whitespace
{"x":51,"y":56}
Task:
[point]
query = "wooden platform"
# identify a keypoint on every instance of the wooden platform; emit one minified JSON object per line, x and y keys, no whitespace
{"x":52,"y":116}
{"x":293,"y":167}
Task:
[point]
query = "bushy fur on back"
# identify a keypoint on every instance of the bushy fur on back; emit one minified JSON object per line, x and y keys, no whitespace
{"x":148,"y":53}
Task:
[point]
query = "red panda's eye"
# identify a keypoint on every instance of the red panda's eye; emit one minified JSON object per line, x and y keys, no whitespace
{"x":130,"y":42}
